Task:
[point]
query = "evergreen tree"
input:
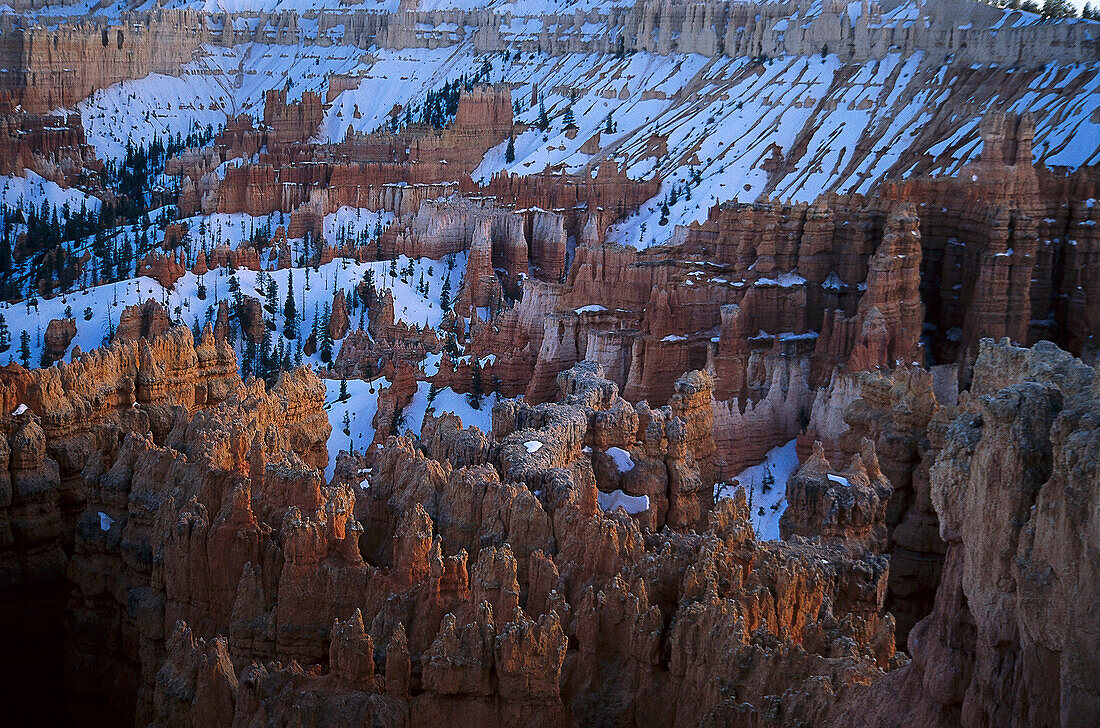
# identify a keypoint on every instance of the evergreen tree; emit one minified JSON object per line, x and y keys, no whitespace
{"x":476,"y":387}
{"x":768,"y":481}
{"x":248,"y":361}
{"x":325,"y":343}
{"x":264,"y":367}
{"x":5,"y":334}
{"x":509,"y":153}
{"x":25,"y":348}
{"x":1054,"y":9}
{"x":343,"y":389}
{"x":609,"y":126}
{"x":347,"y":423}
{"x":543,"y":123}
{"x":290,"y":310}
{"x":272,"y":295}
{"x":570,"y":122}
{"x":445,"y":294}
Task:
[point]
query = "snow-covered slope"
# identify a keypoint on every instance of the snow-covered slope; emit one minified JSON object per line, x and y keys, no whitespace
{"x":790,"y":128}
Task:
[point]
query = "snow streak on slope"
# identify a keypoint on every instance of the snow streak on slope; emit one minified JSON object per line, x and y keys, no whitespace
{"x":789,"y":128}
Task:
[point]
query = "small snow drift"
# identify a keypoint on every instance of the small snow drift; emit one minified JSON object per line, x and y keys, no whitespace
{"x":632,"y":504}
{"x":622,"y":459}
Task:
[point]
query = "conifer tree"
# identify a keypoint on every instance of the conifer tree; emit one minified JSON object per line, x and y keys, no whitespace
{"x":325,"y":343}
{"x":476,"y":387}
{"x":5,"y":334}
{"x":290,"y":310}
{"x":445,"y":294}
{"x":510,"y":152}
{"x":543,"y":123}
{"x":25,"y":348}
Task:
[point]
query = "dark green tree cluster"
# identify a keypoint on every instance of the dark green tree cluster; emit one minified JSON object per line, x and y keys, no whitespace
{"x":134,"y":178}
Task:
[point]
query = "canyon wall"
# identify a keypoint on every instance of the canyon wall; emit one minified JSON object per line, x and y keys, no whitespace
{"x":55,"y":67}
{"x":1010,"y":641}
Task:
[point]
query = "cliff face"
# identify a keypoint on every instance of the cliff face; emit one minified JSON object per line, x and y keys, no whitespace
{"x":1010,"y":641}
{"x":51,"y":68}
{"x":52,"y":146}
{"x":772,"y":298}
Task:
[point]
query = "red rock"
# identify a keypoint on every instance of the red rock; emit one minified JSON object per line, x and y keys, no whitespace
{"x":59,"y":334}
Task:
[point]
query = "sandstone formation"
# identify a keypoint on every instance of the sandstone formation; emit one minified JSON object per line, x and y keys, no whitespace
{"x":1010,"y":640}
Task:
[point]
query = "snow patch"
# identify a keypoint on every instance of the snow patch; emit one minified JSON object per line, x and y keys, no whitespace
{"x":632,"y":504}
{"x":622,"y":459}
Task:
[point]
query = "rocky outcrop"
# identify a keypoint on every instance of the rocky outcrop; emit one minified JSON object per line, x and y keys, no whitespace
{"x":846,"y":507}
{"x":1009,"y":642}
{"x":59,"y":334}
{"x":492,"y":586}
{"x":146,"y":320}
{"x":164,"y":269}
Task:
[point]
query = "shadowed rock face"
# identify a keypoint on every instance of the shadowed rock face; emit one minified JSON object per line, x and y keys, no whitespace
{"x":1011,"y":639}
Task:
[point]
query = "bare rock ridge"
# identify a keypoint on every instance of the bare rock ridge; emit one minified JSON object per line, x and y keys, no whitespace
{"x":55,"y":67}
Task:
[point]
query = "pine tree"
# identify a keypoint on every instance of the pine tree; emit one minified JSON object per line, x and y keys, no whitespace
{"x":5,"y":334}
{"x":476,"y":387}
{"x":272,"y":295}
{"x":445,"y":294}
{"x":570,"y":122}
{"x":768,"y":481}
{"x":25,"y":348}
{"x":543,"y":123}
{"x":609,"y":127}
{"x":290,"y":310}
{"x":248,"y":361}
{"x":343,"y":389}
{"x":325,"y":344}
{"x":510,"y":152}
{"x":347,"y":423}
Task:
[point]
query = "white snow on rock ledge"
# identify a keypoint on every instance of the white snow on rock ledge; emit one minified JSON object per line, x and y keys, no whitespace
{"x":533,"y":446}
{"x":632,"y":504}
{"x":105,"y":521}
{"x":19,"y":410}
{"x":838,"y":479}
{"x":622,"y":459}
